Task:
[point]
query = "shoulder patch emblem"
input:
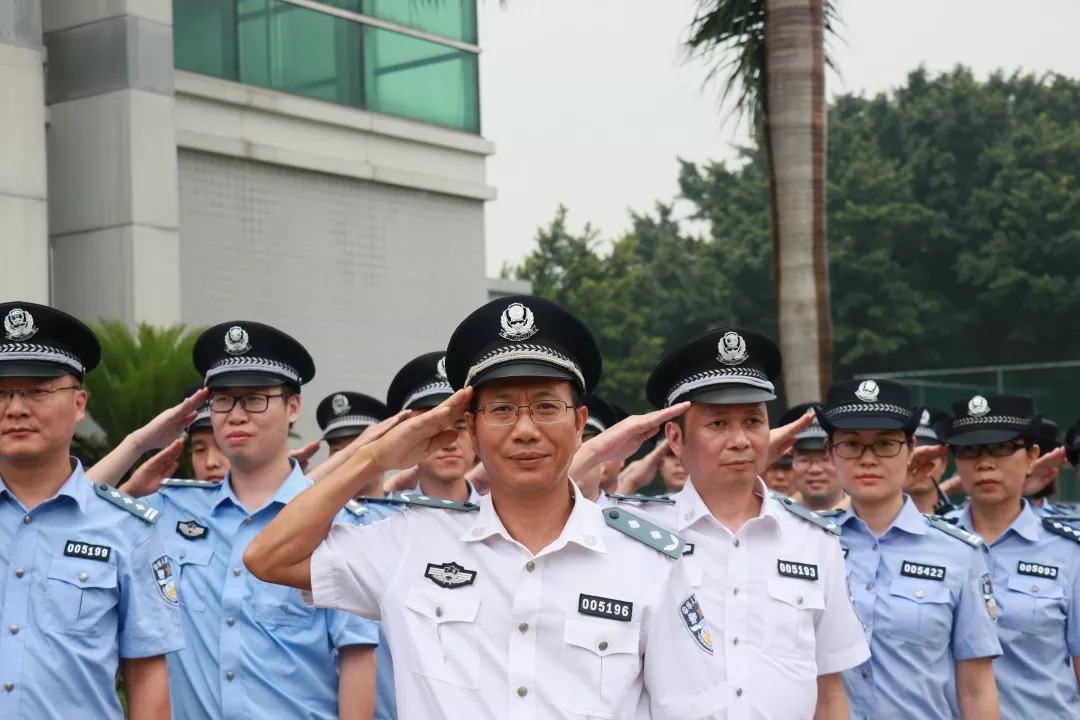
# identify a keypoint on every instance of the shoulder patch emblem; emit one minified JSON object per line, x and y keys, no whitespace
{"x":644,"y":531}
{"x":138,"y":508}
{"x":185,"y":482}
{"x":415,"y":498}
{"x":1057,"y":524}
{"x":164,"y":579}
{"x":809,"y":515}
{"x":694,"y":620}
{"x":641,"y":498}
{"x":988,"y":596}
{"x":936,"y":521}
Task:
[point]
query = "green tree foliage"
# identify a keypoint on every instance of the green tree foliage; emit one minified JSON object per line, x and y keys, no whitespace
{"x":954,"y":238}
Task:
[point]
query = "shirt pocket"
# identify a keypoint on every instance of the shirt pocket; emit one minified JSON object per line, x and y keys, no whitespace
{"x":791,"y":608}
{"x":1033,"y":605}
{"x":444,"y":642}
{"x":919,"y":611}
{"x":278,"y":607}
{"x":193,"y":585}
{"x":79,"y":595}
{"x":600,"y":661}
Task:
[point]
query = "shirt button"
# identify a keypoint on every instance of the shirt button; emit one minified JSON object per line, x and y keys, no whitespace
{"x":231,"y":621}
{"x":523,"y":627}
{"x":236,"y":571}
{"x":19,"y":573}
{"x":736,"y":542}
{"x":920,"y":594}
{"x":530,"y":566}
{"x":229,"y":675}
{"x":735,"y":641}
{"x":522,"y":692}
{"x":9,"y":686}
{"x":875,"y":546}
{"x":14,"y":629}
{"x":869,"y":586}
{"x":1034,"y":588}
{"x":738,"y":692}
{"x":26,"y":519}
{"x":183,"y":554}
{"x":865,"y":673}
{"x":247,"y":521}
{"x":603,"y":645}
{"x":735,"y":591}
{"x":798,"y":600}
{"x":83,"y":577}
{"x":438,"y":612}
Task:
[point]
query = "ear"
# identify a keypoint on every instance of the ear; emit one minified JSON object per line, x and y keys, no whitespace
{"x":674,"y":436}
{"x":80,"y":405}
{"x":581,"y":416}
{"x":1033,"y":453}
{"x":293,"y":408}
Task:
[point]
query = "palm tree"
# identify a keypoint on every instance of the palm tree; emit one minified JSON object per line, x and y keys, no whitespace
{"x":774,"y":70}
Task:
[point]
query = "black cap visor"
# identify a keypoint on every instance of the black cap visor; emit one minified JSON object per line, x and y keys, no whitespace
{"x":984,"y":436}
{"x":428,"y":402}
{"x":200,"y":424}
{"x":344,"y":431}
{"x":530,"y":369}
{"x":32,"y":369}
{"x":247,"y":380}
{"x":867,"y":422}
{"x":810,"y":444}
{"x":727,"y":395}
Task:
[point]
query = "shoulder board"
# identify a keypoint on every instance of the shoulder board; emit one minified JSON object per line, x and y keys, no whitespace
{"x":414,"y":498}
{"x":184,"y":482}
{"x":805,"y":513}
{"x":949,"y":528}
{"x":138,"y":508}
{"x":1055,"y":525}
{"x":830,"y":513}
{"x":355,"y":508}
{"x":385,"y":500}
{"x":644,"y":531}
{"x":641,"y":498}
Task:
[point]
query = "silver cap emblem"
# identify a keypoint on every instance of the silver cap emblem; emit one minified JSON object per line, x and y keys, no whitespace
{"x":440,"y":369}
{"x":925,"y":421}
{"x":978,"y":406}
{"x":517,"y":323}
{"x":236,"y":341}
{"x":732,"y":349}
{"x":19,"y":325}
{"x":340,"y":404}
{"x":868,"y":391}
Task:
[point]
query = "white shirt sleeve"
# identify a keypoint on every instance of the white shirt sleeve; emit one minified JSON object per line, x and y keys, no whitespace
{"x":353,"y":567}
{"x":840,"y":639}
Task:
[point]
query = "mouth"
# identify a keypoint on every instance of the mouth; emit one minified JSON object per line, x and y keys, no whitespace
{"x":448,"y":458}
{"x":528,"y":459}
{"x":215,"y":478}
{"x":986,"y":482}
{"x":237,"y":437}
{"x":739,"y":464}
{"x":19,"y":431}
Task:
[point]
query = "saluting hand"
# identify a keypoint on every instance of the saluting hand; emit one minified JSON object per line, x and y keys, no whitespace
{"x":623,"y":439}
{"x":782,"y":439}
{"x":412,"y":440}
{"x":1044,"y":471}
{"x":163,"y":429}
{"x":640,"y":473}
{"x":923,"y":458}
{"x":405,"y":480}
{"x":146,"y":480}
{"x":367,"y":437}
{"x":303,"y":455}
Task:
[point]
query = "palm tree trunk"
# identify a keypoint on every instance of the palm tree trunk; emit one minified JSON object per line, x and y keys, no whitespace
{"x":795,"y":141}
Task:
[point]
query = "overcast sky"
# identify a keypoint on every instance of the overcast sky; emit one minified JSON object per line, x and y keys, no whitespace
{"x":589,"y":102}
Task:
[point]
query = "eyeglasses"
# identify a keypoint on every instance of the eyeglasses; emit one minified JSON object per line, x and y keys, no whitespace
{"x":252,"y":403}
{"x":1002,"y":449}
{"x":35,"y":395}
{"x":853,"y":450}
{"x":542,"y":412}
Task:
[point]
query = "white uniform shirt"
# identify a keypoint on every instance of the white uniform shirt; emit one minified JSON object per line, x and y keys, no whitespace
{"x":515,"y":637}
{"x":777,"y":601}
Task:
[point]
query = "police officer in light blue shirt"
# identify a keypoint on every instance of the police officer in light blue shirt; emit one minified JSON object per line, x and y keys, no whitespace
{"x":919,"y":584}
{"x":1034,"y":562}
{"x":254,"y":649}
{"x":85,"y":584}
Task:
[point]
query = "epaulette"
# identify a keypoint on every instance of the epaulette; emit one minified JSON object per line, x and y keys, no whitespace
{"x":1059,"y":525}
{"x":644,"y":531}
{"x":942,"y":524}
{"x":414,"y":498}
{"x":641,"y":498}
{"x":830,"y":514}
{"x":384,"y":499}
{"x":185,"y":482}
{"x":138,"y":508}
{"x":355,"y":508}
{"x":805,"y":513}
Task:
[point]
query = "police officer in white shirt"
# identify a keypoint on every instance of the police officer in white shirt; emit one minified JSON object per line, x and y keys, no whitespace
{"x":536,"y":603}
{"x":770,"y":572}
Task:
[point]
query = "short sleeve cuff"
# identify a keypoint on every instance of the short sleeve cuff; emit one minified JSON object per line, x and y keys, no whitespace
{"x":147,"y":647}
{"x":991,"y":648}
{"x":357,"y":631}
{"x":323,"y":593}
{"x":852,"y":656}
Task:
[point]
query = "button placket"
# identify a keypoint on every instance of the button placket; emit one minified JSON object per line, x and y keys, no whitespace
{"x":525,"y":614}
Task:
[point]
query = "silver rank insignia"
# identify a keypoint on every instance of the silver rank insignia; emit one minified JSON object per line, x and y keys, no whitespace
{"x":440,"y":369}
{"x":237,"y":341}
{"x":340,"y":404}
{"x":978,"y":406}
{"x":988,"y":596}
{"x":166,"y":581}
{"x":517,"y":323}
{"x":732,"y":349}
{"x":868,"y":391}
{"x":694,"y":620}
{"x":449,"y":575}
{"x":19,"y":325}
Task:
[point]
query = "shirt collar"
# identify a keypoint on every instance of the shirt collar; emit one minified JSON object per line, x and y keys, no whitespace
{"x":910,"y":520}
{"x":294,"y":484}
{"x":1026,"y":524}
{"x":77,"y":486}
{"x":474,"y":497}
{"x":584,"y":526}
{"x":690,"y":507}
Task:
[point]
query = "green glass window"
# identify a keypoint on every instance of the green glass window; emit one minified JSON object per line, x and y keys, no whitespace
{"x":294,"y":49}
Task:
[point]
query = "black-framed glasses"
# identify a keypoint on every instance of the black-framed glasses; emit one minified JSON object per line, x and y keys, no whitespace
{"x":542,"y":412}
{"x":252,"y":402}
{"x":32,"y":395}
{"x":1001,"y":449}
{"x":853,"y":450}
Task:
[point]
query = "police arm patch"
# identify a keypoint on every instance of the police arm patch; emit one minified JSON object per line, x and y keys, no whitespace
{"x":693,"y":618}
{"x":987,"y":588}
{"x":165,"y":579}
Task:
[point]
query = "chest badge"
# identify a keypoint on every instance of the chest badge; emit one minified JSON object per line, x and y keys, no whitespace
{"x":191,"y":530}
{"x":449,"y":575}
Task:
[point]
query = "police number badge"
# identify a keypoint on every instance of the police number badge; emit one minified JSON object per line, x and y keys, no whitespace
{"x":237,"y":341}
{"x":517,"y":323}
{"x":19,"y":325}
{"x":440,"y":370}
{"x":694,"y":620}
{"x":166,"y":581}
{"x":449,"y":575}
{"x":868,"y":391}
{"x":340,"y":404}
{"x":988,"y":596}
{"x":978,"y":406}
{"x":732,"y":349}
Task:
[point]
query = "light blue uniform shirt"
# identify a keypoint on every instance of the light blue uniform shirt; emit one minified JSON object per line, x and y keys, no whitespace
{"x":78,"y":592}
{"x":918,"y":592}
{"x":254,"y":650}
{"x":1036,"y":577}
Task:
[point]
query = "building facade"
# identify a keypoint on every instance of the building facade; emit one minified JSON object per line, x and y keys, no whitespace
{"x":317,"y":165}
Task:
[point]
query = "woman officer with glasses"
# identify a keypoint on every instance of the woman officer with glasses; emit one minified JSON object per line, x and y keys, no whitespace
{"x":919,"y":584}
{"x":1034,"y":562}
